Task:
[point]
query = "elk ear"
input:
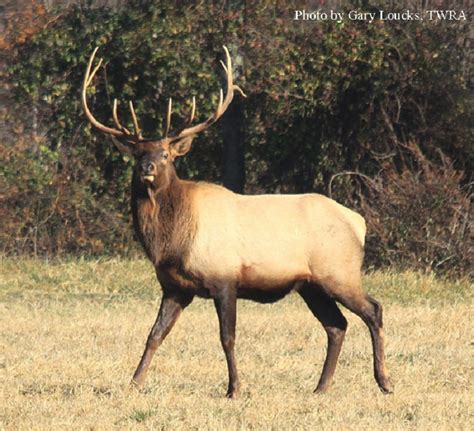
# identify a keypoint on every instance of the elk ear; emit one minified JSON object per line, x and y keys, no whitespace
{"x":126,"y":148}
{"x":181,"y":147}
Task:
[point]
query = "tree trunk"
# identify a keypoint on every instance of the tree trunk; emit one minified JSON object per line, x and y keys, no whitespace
{"x":233,"y":169}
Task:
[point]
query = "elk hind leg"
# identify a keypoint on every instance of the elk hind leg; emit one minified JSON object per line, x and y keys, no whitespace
{"x":370,"y":311}
{"x":334,"y":323}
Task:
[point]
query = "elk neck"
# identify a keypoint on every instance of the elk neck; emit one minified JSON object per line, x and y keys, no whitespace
{"x":163,"y":220}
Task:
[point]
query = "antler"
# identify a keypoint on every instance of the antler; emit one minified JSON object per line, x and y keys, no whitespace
{"x":120,"y":131}
{"x":221,"y":108}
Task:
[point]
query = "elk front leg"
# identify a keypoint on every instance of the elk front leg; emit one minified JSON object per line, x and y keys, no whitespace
{"x":225,"y":303}
{"x":171,"y":306}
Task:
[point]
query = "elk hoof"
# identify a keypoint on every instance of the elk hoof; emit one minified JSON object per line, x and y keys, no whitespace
{"x":134,"y":385}
{"x":232,"y":394}
{"x":387,"y":387}
{"x":321,"y":388}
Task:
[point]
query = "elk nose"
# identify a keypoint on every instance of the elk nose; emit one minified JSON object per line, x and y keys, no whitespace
{"x":147,"y":167}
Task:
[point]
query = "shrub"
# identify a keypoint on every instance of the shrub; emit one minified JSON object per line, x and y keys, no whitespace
{"x":419,"y":216}
{"x":46,"y":212}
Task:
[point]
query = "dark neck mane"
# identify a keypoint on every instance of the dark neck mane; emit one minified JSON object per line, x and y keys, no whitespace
{"x":163,"y":221}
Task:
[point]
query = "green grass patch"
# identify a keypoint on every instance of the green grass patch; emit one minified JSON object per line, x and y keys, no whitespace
{"x":405,"y":287}
{"x":118,"y":279}
{"x":142,"y":415}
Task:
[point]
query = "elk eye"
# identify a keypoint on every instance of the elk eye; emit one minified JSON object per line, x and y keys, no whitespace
{"x":165,"y":155}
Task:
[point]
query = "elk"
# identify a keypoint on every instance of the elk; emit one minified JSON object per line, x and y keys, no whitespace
{"x":207,"y":241}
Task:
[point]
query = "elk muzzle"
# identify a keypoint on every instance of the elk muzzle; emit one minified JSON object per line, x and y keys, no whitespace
{"x":147,"y":170}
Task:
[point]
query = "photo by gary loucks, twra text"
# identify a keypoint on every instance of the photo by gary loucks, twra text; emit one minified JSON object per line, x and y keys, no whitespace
{"x":355,"y":15}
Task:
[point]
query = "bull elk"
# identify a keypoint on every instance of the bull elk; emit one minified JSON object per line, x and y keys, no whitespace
{"x":207,"y":241}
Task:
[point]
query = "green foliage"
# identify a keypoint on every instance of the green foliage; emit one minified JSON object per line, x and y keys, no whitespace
{"x":323,"y":98}
{"x":340,"y":96}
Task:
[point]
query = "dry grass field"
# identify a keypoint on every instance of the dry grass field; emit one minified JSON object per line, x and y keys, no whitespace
{"x":72,"y":334}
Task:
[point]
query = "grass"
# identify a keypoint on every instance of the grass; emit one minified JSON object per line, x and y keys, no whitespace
{"x":72,"y":333}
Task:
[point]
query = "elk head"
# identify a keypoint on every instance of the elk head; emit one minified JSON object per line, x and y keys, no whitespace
{"x":154,"y":157}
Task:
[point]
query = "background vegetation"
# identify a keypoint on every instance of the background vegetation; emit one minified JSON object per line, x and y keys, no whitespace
{"x":388,"y":103}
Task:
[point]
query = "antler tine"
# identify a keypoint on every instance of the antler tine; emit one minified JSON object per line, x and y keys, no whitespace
{"x":91,"y":77}
{"x":230,"y":86}
{"x":136,"y":127}
{"x":219,"y":111}
{"x":116,"y":118}
{"x":223,"y":65}
{"x":236,"y":87}
{"x":193,"y":111}
{"x":228,"y":71}
{"x":168,"y":117}
{"x":88,"y":77}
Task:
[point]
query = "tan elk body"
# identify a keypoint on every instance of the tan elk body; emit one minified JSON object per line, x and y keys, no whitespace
{"x":207,"y":241}
{"x":273,"y":241}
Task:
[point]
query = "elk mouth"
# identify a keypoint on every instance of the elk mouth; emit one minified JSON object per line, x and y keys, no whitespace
{"x":148,"y":178}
